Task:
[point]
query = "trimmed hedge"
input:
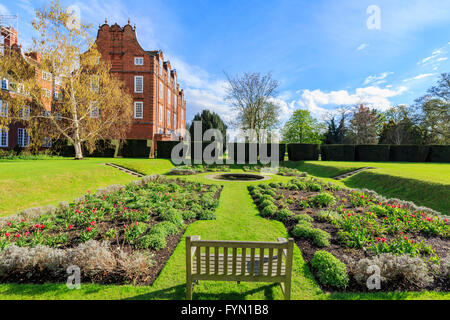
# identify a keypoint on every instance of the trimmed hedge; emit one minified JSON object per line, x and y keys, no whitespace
{"x":338,"y":152}
{"x":439,"y":153}
{"x":281,"y":150}
{"x":164,"y":149}
{"x":103,"y":149}
{"x":132,"y":148}
{"x":372,"y":153}
{"x":408,"y":153}
{"x":236,"y":146}
{"x":300,"y":152}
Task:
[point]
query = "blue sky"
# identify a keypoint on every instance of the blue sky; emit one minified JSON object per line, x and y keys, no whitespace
{"x":322,"y":52}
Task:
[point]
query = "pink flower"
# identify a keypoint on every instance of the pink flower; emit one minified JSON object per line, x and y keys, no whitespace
{"x":70,"y":227}
{"x":7,"y":234}
{"x":89,"y":229}
{"x":93,"y":223}
{"x":27,"y":234}
{"x":17,"y":235}
{"x":9,"y":224}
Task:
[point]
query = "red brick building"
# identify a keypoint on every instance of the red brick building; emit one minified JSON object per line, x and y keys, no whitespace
{"x":16,"y":133}
{"x":159,"y":105}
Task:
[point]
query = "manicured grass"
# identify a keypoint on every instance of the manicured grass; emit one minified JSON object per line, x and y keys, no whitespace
{"x":35,"y":183}
{"x":237,"y":219}
{"x":426,"y":184}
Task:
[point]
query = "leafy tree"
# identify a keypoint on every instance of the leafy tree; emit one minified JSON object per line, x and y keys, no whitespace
{"x":92,"y":104}
{"x":400,"y":128}
{"x":210,"y":120}
{"x":252,"y":97}
{"x":434,"y":111}
{"x":365,"y":125}
{"x":336,"y":134}
{"x":302,"y":128}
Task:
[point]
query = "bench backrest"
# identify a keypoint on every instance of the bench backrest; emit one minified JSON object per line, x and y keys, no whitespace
{"x":239,"y":260}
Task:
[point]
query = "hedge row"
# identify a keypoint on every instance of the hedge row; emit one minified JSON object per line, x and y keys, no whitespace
{"x":164,"y":150}
{"x":301,"y":152}
{"x":386,"y":153}
{"x":130,"y":148}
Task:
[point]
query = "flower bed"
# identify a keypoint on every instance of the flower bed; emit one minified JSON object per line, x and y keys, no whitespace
{"x":122,"y":234}
{"x":362,"y":230}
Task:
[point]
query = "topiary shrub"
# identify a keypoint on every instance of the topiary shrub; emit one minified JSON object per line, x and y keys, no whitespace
{"x":324,"y":199}
{"x":265,"y":197}
{"x":173,"y":215}
{"x":284,"y":214}
{"x":320,"y":237}
{"x":314,"y":186}
{"x":169,"y":228}
{"x":266,"y":203}
{"x":329,"y":270}
{"x":270,"y":193}
{"x":269,"y":211}
{"x":304,"y":229}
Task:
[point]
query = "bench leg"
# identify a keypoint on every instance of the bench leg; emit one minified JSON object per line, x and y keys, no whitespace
{"x":287,"y":290}
{"x":189,"y":288}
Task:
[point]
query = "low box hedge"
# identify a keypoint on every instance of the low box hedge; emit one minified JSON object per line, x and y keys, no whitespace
{"x":338,"y":152}
{"x":372,"y":153}
{"x":439,"y":153}
{"x":408,"y":153}
{"x":302,"y":152}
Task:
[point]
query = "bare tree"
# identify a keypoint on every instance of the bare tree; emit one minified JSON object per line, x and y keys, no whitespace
{"x":252,"y":97}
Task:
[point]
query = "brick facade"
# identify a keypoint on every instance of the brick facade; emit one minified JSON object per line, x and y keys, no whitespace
{"x":163,"y":104}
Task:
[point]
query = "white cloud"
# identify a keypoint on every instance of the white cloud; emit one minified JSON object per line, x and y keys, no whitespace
{"x":362,"y":47}
{"x":316,"y":101}
{"x":377,"y":79}
{"x":420,"y":76}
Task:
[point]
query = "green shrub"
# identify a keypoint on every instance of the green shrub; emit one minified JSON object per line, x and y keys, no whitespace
{"x":284,"y":214}
{"x":329,"y":270}
{"x":269,"y":210}
{"x":378,"y":210}
{"x":153,"y":241}
{"x":273,"y":185}
{"x":304,"y":229}
{"x":189,"y":215}
{"x":173,"y":215}
{"x":169,"y":228}
{"x":265,"y":197}
{"x":270,"y":192}
{"x":266,"y":203}
{"x":324,"y":199}
{"x":314,"y":186}
{"x":292,"y":186}
{"x":303,"y":217}
{"x":206,"y":215}
{"x":328,"y":216}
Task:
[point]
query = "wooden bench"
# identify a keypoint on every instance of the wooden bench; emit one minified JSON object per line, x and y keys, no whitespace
{"x":239,"y":261}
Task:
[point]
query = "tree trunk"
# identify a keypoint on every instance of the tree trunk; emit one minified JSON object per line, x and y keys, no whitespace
{"x":78,"y":151}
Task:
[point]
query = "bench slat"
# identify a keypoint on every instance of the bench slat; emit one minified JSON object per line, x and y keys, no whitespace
{"x":269,"y":271}
{"x":261,"y":258}
{"x":234,"y":260}
{"x":207,"y":261}
{"x":225,"y":255}
{"x":238,"y":244}
{"x":243,"y":260}
{"x":279,"y":262}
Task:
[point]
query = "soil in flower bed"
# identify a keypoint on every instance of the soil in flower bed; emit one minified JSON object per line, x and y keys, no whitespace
{"x":120,"y":235}
{"x":379,"y":231}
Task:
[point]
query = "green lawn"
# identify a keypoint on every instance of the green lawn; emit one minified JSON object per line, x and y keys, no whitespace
{"x":426,"y":184}
{"x":237,"y":219}
{"x":34,"y":183}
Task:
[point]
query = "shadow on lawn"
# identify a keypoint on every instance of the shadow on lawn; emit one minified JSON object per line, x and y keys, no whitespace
{"x":179,"y":293}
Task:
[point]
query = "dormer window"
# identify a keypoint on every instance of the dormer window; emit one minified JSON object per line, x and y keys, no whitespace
{"x":160,"y":67}
{"x":138,"y":61}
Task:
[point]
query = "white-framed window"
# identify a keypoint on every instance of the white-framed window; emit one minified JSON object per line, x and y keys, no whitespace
{"x":160,"y":113}
{"x":174,"y":80}
{"x":47,"y":76}
{"x":175,"y":121}
{"x":168,"y":76}
{"x":138,"y":110}
{"x":139,"y":84}
{"x":5,"y":85}
{"x":182,"y":116}
{"x":47,"y":93}
{"x":46,"y":113}
{"x":161,"y":95}
{"x":46,"y":143}
{"x":94,"y":112}
{"x":160,"y":67}
{"x":168,"y":118}
{"x":58,"y":116}
{"x":58,"y":81}
{"x":95,"y":83}
{"x":3,"y":109}
{"x":175,"y":102}
{"x":23,"y":139}
{"x":56,"y":95}
{"x":168,"y":97}
{"x":160,"y":131}
{"x":138,"y":61}
{"x":25,"y":112}
{"x":3,"y":138}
